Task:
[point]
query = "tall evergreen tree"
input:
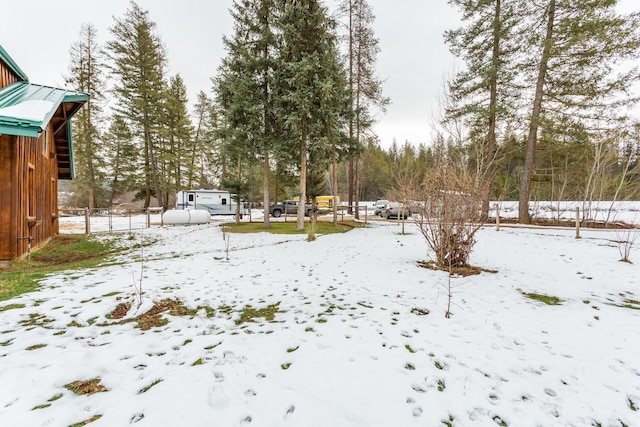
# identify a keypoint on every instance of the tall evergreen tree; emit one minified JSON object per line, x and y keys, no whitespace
{"x":122,"y":157}
{"x":311,"y":84}
{"x":485,"y":90}
{"x":203,"y":160}
{"x":364,"y":84}
{"x":178,"y":134}
{"x":138,"y":61}
{"x":578,"y":49}
{"x":244,"y":87}
{"x":86,"y":75}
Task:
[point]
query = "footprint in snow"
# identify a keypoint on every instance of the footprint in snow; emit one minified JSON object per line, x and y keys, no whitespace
{"x":290,"y":412}
{"x":218,"y":398}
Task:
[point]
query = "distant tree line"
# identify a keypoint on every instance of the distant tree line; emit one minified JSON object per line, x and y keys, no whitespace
{"x":541,"y":110}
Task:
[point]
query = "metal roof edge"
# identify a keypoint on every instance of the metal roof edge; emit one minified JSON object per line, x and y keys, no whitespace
{"x":30,"y":131}
{"x":7,"y":59}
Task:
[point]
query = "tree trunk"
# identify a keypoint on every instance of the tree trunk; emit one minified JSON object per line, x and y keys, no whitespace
{"x":265,"y":189}
{"x":238,"y":195}
{"x":334,"y":185}
{"x":525,"y":189}
{"x":303,"y":182}
{"x":490,"y":149}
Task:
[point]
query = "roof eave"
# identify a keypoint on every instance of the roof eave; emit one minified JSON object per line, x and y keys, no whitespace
{"x":12,"y":64}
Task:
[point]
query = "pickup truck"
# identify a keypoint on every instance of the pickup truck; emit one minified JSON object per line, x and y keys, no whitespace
{"x":289,"y":207}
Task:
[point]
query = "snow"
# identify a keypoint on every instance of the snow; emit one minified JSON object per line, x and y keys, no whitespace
{"x":350,"y":331}
{"x":33,"y":110}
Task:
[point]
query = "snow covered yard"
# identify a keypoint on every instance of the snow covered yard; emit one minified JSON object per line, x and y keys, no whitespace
{"x":358,"y":336}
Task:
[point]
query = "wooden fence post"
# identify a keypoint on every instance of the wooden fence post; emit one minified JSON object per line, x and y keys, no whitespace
{"x":87,"y":226}
{"x":577,"y":222}
{"x":497,"y":216}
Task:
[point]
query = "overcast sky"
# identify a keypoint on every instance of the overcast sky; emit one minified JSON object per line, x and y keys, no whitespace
{"x":413,"y":59}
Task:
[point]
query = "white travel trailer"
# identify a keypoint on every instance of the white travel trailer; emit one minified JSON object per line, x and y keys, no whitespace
{"x":217,"y":202}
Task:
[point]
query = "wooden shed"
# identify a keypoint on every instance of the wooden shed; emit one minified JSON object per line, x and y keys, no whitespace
{"x":36,"y":150}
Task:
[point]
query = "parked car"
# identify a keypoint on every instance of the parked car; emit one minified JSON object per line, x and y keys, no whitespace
{"x":396,"y":210}
{"x":379,"y":207}
{"x":289,"y":207}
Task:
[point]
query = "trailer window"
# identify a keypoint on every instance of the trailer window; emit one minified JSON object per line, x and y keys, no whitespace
{"x":191,"y":197}
{"x":224,"y":201}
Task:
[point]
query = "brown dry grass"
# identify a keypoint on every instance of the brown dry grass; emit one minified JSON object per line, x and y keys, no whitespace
{"x":152,"y":318}
{"x":91,"y":386}
{"x":465,"y":271}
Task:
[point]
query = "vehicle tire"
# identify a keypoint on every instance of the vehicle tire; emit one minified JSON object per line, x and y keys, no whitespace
{"x":277,"y":213}
{"x":386,"y":216}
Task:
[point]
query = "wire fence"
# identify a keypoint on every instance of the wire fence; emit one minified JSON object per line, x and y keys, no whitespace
{"x":89,"y":221}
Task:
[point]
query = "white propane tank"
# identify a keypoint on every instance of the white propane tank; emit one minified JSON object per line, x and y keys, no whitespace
{"x":180,"y":217}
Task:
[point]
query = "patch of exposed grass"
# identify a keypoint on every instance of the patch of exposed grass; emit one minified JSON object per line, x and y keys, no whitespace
{"x":87,"y":421}
{"x":292,"y":349}
{"x":110,"y":294}
{"x":55,"y":397}
{"x":197,"y":362}
{"x":420,"y":311}
{"x":630,"y":303}
{"x":322,"y":227}
{"x":11,"y":307}
{"x":409,"y":349}
{"x":63,"y":252}
{"x":209,"y":310}
{"x":91,"y":386}
{"x":46,"y":405}
{"x":153,"y":318}
{"x":36,"y":319}
{"x":146,"y":389}
{"x":249,"y":313}
{"x":547,"y":299}
{"x":449,"y":422}
{"x":36,"y":346}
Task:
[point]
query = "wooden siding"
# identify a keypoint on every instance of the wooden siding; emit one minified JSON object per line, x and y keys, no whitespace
{"x":28,"y":193}
{"x":6,"y":75}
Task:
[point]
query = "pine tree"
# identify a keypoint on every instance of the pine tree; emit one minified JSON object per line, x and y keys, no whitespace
{"x":138,"y":61}
{"x":484,"y":93}
{"x":312,"y":85}
{"x":178,"y":133}
{"x":86,"y":75}
{"x":579,"y":46}
{"x":244,"y":86}
{"x":203,"y":160}
{"x":122,"y":156}
{"x":364,"y":85}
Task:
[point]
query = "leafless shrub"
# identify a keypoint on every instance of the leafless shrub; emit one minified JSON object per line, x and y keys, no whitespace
{"x":626,"y":238}
{"x":448,"y":216}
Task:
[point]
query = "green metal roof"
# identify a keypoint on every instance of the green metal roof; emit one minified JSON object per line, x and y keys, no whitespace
{"x":4,"y":56}
{"x":27,"y":108}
